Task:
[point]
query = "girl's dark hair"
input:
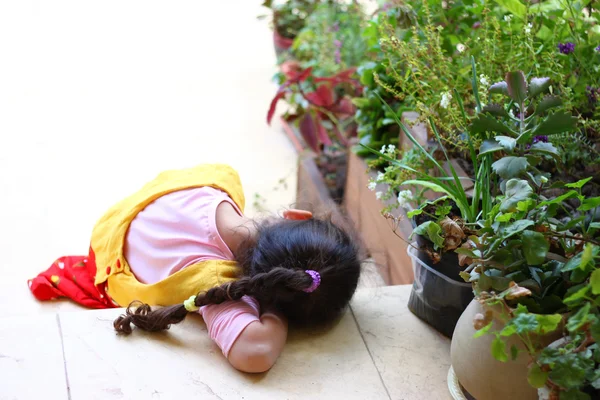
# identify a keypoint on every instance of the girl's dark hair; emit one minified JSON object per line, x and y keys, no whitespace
{"x":273,"y":272}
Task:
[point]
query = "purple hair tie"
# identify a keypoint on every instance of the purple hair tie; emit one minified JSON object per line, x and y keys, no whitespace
{"x":316,"y":281}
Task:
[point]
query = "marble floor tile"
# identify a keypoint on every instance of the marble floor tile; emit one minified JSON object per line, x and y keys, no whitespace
{"x":412,"y":358}
{"x":31,"y":359}
{"x":184,"y":363}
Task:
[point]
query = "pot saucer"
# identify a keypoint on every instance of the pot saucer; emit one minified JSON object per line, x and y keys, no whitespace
{"x":456,"y":390}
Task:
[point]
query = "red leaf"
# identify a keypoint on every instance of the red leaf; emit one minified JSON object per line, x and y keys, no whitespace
{"x":340,"y":136}
{"x":290,"y":68}
{"x":322,"y":97}
{"x":308,"y":130}
{"x":291,"y":117}
{"x":345,"y":107}
{"x":322,"y":133}
{"x":277,"y":97}
{"x":345,"y":75}
{"x":303,"y":75}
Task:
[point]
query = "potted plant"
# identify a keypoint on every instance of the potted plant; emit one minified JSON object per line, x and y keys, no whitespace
{"x":523,"y":258}
{"x":318,"y":86}
{"x":288,"y":19}
{"x":552,"y":299}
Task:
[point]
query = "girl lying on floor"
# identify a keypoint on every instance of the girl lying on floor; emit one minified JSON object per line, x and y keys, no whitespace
{"x":182,"y":242}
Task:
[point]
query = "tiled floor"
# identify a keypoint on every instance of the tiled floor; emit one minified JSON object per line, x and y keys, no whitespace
{"x":378,"y":350}
{"x":96,"y":98}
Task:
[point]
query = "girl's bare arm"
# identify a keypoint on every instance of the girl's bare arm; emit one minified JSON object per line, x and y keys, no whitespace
{"x":258,"y":346}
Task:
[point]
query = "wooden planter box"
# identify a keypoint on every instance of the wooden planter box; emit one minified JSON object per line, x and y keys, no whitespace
{"x":376,"y":231}
{"x":312,"y":193}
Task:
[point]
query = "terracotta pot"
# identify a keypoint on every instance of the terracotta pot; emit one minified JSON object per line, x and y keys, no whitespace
{"x":281,"y":43}
{"x":484,"y":377}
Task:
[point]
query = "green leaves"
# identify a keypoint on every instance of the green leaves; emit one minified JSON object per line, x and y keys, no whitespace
{"x":545,"y":148}
{"x":574,"y":297}
{"x":586,"y":255}
{"x":535,"y":247}
{"x":579,"y":184}
{"x":579,"y":319}
{"x":548,"y":323}
{"x":510,"y":167}
{"x":431,"y":231}
{"x":489,"y":146}
{"x":569,"y":370}
{"x":536,"y":377}
{"x":483,"y":331}
{"x":514,"y":7}
{"x":495,"y":109}
{"x":558,"y":122}
{"x":589,"y":203}
{"x":499,"y":350}
{"x":507,"y":142}
{"x":499,"y":88}
{"x":595,"y":281}
{"x":486,"y":123}
{"x":538,"y":86}
{"x":517,"y":85}
{"x":547,"y":103}
{"x":516,"y":227}
{"x":516,"y":190}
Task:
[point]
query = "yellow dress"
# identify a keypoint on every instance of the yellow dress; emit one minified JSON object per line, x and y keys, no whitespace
{"x":108,"y":240}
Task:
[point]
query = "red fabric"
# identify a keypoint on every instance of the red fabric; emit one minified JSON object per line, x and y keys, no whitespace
{"x":72,"y":277}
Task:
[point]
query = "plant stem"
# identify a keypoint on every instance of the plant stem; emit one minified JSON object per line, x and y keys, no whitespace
{"x":565,"y":236}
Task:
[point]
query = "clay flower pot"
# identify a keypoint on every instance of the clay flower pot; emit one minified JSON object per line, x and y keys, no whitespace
{"x":478,"y":372}
{"x":281,"y":44}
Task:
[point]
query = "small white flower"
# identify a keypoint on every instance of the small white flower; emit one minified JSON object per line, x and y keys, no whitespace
{"x":382,"y":151}
{"x":404,"y":198}
{"x":461,"y":47}
{"x":372,"y":185}
{"x":511,"y":113}
{"x":380,"y":177}
{"x":444,"y":4}
{"x":484,"y":80}
{"x":446,"y":97}
{"x":528,"y":28}
{"x":543,"y":179}
{"x":508,"y":17}
{"x":378,"y":195}
{"x":391,"y":149}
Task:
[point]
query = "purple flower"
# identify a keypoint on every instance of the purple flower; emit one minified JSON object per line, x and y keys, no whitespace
{"x":592,"y":95}
{"x":598,"y":48}
{"x":540,"y":138}
{"x":537,"y":139}
{"x":338,"y":56}
{"x":338,"y":53}
{"x":566,"y":48}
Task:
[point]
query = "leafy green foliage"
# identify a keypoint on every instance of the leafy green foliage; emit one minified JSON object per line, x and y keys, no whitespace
{"x":432,"y":231}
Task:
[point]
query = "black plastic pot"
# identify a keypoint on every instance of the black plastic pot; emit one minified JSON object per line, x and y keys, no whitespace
{"x":439,"y":295}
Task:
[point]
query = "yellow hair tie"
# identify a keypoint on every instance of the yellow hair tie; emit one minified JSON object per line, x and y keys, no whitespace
{"x":190,"y":304}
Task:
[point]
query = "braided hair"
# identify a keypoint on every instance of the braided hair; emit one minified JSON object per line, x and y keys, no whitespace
{"x":273,"y":265}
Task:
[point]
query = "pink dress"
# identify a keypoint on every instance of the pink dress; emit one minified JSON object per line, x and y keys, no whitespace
{"x":178,"y":230}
